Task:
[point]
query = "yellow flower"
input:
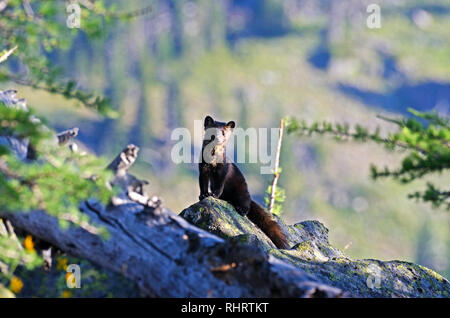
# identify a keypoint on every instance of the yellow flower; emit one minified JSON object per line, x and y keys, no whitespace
{"x":70,"y":278}
{"x":62,"y":264}
{"x":66,"y":294}
{"x":15,"y":285}
{"x":28,"y":243}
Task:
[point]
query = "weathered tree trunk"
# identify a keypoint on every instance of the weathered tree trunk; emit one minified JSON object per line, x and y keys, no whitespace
{"x":168,"y":257}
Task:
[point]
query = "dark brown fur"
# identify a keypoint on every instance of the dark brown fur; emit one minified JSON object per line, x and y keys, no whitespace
{"x":227,"y":182}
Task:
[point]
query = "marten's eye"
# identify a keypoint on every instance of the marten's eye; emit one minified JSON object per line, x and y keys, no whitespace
{"x":223,"y":133}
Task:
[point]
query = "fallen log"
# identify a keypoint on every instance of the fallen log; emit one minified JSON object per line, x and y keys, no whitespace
{"x":168,"y":257}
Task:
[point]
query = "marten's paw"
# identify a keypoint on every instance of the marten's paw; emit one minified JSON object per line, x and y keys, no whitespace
{"x":242,"y":211}
{"x":202,"y":196}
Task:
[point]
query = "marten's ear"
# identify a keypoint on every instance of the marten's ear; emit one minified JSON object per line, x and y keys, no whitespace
{"x":208,"y":121}
{"x":231,"y":124}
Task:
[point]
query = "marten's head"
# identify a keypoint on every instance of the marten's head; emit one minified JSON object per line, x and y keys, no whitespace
{"x":217,"y":131}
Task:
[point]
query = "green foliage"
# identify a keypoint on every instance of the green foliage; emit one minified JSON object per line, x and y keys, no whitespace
{"x":58,"y":180}
{"x":21,"y":124}
{"x":38,"y":34}
{"x":425,"y":138}
{"x":280,"y":196}
{"x":17,"y":256}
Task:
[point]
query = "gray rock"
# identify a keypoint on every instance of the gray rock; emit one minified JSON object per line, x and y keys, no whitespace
{"x":312,"y":252}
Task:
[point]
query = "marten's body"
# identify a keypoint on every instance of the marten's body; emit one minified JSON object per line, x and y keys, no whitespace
{"x":227,"y":182}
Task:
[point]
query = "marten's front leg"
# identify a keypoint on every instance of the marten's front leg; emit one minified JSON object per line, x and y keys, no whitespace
{"x":217,"y":188}
{"x":218,"y":180}
{"x":203,"y":182}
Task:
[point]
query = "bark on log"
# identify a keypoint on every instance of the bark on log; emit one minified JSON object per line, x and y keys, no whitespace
{"x":168,"y":257}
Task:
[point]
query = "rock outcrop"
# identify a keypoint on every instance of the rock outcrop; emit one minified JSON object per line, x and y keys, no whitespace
{"x":311,"y":252}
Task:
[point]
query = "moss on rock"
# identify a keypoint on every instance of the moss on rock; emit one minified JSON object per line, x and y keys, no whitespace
{"x":311,"y":251}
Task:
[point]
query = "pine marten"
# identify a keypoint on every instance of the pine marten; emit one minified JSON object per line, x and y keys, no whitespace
{"x":227,"y":182}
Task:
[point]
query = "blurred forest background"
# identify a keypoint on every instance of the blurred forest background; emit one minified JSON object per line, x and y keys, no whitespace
{"x":255,"y":61}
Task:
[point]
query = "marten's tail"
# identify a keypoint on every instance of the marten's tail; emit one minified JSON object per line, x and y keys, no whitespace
{"x":263,"y":220}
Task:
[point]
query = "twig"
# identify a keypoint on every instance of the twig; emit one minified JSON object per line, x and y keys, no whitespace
{"x":3,"y":231}
{"x":5,"y":56}
{"x":88,"y":102}
{"x":390,"y":120}
{"x":12,"y":234}
{"x":4,"y":269}
{"x":276,"y":173}
{"x":28,"y":9}
{"x":350,"y":135}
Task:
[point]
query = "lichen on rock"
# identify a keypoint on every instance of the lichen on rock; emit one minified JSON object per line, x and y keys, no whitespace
{"x":311,"y":252}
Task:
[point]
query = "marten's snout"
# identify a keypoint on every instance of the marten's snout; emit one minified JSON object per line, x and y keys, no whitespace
{"x":221,"y":137}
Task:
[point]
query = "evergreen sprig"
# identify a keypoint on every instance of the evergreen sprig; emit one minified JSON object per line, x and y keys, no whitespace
{"x":425,"y":138}
{"x":39,"y":33}
{"x":57,"y":181}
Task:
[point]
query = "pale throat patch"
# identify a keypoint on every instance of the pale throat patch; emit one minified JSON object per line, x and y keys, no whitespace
{"x":217,"y":152}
